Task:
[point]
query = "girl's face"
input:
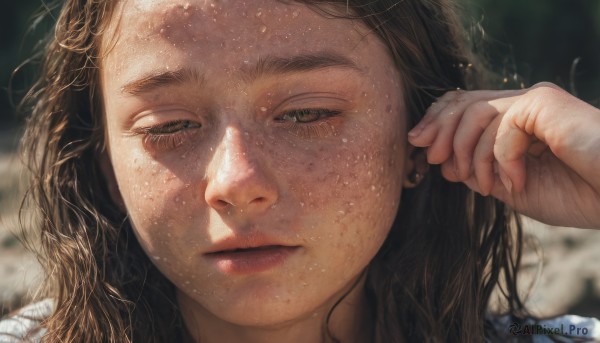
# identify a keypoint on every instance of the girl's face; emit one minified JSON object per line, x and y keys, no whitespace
{"x":258,"y":148}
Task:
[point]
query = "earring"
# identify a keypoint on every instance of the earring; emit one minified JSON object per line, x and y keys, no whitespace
{"x":415,"y":177}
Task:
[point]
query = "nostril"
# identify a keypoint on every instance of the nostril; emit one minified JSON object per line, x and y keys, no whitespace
{"x":258,"y":200}
{"x":222,"y":203}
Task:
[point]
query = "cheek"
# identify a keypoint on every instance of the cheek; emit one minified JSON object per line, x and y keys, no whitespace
{"x":350,"y":195}
{"x":158,"y":199}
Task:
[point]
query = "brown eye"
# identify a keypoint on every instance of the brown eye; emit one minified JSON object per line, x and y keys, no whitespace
{"x":308,"y":115}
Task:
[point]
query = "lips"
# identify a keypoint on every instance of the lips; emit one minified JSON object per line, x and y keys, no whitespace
{"x":248,"y":255}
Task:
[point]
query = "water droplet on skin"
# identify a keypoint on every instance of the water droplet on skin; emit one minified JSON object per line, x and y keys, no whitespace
{"x":259,"y":13}
{"x":301,"y":204}
{"x":183,"y":202}
{"x":344,"y":140}
{"x":373,"y":188}
{"x":263,"y":109}
{"x":295,"y":13}
{"x":263,"y":28}
{"x":157,"y":258}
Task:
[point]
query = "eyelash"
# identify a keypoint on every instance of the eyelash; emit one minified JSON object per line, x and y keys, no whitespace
{"x":172,"y":135}
{"x":167,"y":136}
{"x":315,"y":128}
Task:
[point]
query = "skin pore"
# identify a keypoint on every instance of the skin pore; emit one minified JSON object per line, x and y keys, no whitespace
{"x":229,"y":121}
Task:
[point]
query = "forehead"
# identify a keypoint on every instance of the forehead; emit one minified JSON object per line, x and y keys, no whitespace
{"x":227,"y":32}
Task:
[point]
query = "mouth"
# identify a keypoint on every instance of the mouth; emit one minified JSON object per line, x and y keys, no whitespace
{"x":251,"y":260}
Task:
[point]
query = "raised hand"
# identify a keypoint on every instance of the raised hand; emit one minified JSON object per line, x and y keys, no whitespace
{"x":536,"y":149}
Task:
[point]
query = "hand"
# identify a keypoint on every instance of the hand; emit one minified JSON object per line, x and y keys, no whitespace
{"x":536,"y":149}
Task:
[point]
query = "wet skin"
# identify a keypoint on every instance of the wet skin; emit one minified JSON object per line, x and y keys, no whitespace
{"x":254,"y":123}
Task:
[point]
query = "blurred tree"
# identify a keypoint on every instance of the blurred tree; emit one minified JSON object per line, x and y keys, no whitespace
{"x":537,"y":39}
{"x":541,"y":40}
{"x":15,"y":18}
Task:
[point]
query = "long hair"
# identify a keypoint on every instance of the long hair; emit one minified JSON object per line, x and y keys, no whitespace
{"x":430,"y":282}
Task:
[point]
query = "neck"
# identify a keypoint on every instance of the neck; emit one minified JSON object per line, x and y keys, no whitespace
{"x":349,"y":322}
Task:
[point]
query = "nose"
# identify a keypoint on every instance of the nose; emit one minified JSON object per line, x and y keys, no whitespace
{"x":237,"y":178}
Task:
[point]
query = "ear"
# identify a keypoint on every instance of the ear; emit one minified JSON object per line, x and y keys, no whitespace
{"x":416,"y":167}
{"x":111,"y":181}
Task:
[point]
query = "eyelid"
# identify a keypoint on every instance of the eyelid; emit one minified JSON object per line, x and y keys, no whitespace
{"x":312,"y":100}
{"x":162,"y":115}
{"x":322,"y":127}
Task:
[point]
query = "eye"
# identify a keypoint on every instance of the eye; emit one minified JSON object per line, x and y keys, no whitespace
{"x":309,"y":123}
{"x":171,"y":127}
{"x":307,"y":115}
{"x":168,"y":136}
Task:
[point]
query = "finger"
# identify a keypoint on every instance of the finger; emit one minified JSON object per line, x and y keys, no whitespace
{"x":472,"y":183}
{"x":483,"y":157}
{"x":442,"y":122}
{"x":511,"y":146}
{"x":440,"y":132}
{"x":475,"y":120}
{"x":423,"y":134}
{"x":449,"y":171}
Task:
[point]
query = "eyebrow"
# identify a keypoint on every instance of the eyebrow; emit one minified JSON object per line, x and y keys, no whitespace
{"x":268,"y":65}
{"x":154,"y":81}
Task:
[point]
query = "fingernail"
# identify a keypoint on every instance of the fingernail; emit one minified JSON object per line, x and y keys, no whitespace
{"x":417,"y":130}
{"x":505,"y":181}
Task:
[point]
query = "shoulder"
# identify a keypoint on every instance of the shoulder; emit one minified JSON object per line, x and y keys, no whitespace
{"x":25,"y":324}
{"x":568,"y":328}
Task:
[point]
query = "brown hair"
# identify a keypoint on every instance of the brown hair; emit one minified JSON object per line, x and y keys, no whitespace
{"x":430,"y":282}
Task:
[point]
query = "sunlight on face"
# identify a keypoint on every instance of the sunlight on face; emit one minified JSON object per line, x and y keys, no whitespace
{"x":236,"y":125}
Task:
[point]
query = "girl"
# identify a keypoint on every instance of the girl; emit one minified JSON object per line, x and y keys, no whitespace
{"x":231,"y":171}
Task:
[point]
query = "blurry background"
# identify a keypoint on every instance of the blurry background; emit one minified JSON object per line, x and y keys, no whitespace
{"x":525,"y":42}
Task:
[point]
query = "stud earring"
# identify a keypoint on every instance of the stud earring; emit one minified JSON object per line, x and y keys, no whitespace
{"x":415,"y":177}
